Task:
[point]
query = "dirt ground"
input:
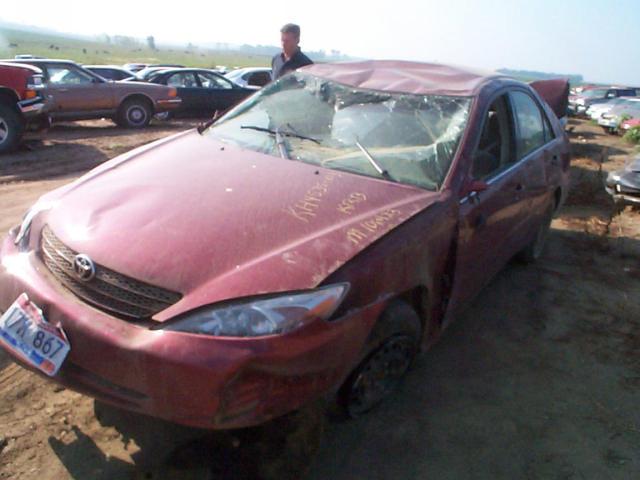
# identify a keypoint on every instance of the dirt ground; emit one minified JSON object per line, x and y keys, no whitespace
{"x":538,"y":379}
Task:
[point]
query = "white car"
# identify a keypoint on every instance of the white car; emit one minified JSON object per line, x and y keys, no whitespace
{"x":250,"y":76}
{"x":596,"y":110}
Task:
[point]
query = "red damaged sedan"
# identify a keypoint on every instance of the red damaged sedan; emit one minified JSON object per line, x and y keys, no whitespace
{"x":308,"y":243}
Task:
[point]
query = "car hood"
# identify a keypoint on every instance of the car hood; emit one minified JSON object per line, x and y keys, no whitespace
{"x":213,"y":221}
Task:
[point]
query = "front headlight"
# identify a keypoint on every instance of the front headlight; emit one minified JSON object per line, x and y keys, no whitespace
{"x":267,"y":316}
{"x":22,"y":238}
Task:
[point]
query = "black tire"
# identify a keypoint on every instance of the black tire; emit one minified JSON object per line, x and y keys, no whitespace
{"x":390,"y":352}
{"x":134,"y":113}
{"x":11,"y":128}
{"x":532,"y":252}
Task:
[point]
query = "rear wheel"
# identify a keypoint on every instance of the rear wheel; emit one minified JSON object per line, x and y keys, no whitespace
{"x":134,"y":113}
{"x":532,"y":252}
{"x":391,"y":350}
{"x":11,"y":128}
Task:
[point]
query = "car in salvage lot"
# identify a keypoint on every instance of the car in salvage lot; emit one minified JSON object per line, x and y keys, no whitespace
{"x":203,"y":92}
{"x":610,"y":121}
{"x":22,"y":103}
{"x":308,"y":243}
{"x":250,"y":76}
{"x":624,"y":185}
{"x":76,"y":93}
{"x":579,"y":104}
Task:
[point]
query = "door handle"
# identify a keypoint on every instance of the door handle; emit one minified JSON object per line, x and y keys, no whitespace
{"x":519,"y":187}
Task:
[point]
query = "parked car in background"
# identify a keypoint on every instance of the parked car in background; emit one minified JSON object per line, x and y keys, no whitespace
{"x":22,"y":102}
{"x":250,"y":77}
{"x":76,"y":93}
{"x":628,"y":124}
{"x":624,"y":184}
{"x":203,"y":92}
{"x":578,"y":104}
{"x":135,"y":67}
{"x":596,"y":110}
{"x":611,"y":120}
{"x":111,"y":72}
{"x":144,"y":74}
{"x":307,"y":244}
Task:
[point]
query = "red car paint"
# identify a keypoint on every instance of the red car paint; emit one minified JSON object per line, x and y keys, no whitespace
{"x":629,"y":124}
{"x":216,"y":222}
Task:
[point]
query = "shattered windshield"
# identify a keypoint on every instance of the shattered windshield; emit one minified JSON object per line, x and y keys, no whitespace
{"x":400,"y":137}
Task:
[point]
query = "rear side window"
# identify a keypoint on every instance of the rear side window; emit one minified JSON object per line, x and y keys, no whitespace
{"x":67,"y":75}
{"x":259,"y":79}
{"x":533,"y":130}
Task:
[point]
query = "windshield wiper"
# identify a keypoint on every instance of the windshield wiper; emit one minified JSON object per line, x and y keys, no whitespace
{"x":294,"y":133}
{"x":375,"y":164}
{"x":286,"y":133}
{"x":280,"y":141}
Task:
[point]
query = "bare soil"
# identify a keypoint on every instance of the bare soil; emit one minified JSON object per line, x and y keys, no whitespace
{"x":538,"y":379}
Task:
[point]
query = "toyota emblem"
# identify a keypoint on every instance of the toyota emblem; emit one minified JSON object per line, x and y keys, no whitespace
{"x":84,"y":267}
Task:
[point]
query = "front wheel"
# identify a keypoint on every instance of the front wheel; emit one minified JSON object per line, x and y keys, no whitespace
{"x":11,"y":128}
{"x":392,"y":348}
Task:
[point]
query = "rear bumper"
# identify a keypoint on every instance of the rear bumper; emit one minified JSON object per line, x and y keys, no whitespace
{"x":194,"y":380}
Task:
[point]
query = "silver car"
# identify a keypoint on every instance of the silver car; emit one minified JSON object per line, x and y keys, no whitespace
{"x":611,"y":120}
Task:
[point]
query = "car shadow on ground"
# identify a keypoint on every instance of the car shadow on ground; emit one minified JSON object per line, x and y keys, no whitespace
{"x":83,"y":459}
{"x":106,"y":128}
{"x":50,"y":160}
{"x":541,"y":371}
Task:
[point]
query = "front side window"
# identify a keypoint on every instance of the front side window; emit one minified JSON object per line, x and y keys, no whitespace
{"x":209,"y":80}
{"x":494,"y":153}
{"x":401,"y":137}
{"x":531,"y":129}
{"x":182,"y":80}
{"x":66,"y":75}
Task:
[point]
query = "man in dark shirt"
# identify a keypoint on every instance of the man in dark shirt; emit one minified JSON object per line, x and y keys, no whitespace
{"x":291,"y":58}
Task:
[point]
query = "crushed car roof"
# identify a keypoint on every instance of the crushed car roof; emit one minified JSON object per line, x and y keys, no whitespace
{"x":404,"y":76}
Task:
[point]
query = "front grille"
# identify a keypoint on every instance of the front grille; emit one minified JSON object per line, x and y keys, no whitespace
{"x":109,"y":291}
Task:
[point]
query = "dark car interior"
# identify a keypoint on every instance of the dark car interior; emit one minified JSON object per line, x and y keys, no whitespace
{"x":493,"y":152}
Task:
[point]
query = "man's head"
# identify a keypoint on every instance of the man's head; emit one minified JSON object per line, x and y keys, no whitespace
{"x":290,"y":38}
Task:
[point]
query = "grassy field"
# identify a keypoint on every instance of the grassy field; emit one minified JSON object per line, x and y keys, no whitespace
{"x":14,"y":42}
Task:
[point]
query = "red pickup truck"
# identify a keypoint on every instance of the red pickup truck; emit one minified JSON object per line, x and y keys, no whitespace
{"x":22,"y":102}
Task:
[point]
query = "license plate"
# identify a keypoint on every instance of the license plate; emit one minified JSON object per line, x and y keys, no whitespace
{"x":25,"y":331}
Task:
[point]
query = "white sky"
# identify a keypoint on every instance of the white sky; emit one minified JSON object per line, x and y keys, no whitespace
{"x":548,"y":35}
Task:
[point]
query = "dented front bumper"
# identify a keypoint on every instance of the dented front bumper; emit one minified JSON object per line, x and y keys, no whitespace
{"x":195,"y":380}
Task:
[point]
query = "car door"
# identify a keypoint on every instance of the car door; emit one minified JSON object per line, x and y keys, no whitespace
{"x":75,"y":90}
{"x":539,"y":156}
{"x":194,"y":98}
{"x":222,"y":93}
{"x":493,"y":212}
